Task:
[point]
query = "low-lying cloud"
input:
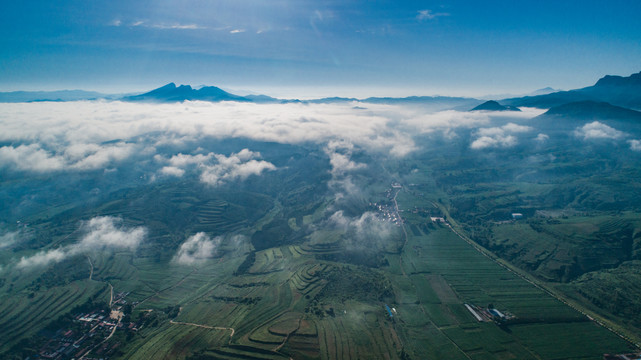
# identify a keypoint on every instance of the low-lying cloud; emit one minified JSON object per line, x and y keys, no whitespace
{"x":89,"y":135}
{"x":216,"y":169}
{"x":597,"y":130}
{"x":542,"y":137}
{"x":30,"y":157}
{"x":197,"y":249}
{"x":99,"y":234}
{"x":340,"y":153}
{"x":635,"y":145}
{"x":341,"y":183}
{"x":366,"y":231}
{"x":43,"y":258}
{"x":109,"y":232}
{"x":498,"y":137}
{"x":34,"y":158}
{"x":9,"y":238}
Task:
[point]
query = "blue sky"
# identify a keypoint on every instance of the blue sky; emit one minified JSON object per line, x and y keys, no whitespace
{"x":287,"y":47}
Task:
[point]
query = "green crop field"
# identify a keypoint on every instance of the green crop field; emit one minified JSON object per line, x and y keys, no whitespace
{"x":296,"y":266}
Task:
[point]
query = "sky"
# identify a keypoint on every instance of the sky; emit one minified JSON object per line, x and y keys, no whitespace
{"x":303,"y":48}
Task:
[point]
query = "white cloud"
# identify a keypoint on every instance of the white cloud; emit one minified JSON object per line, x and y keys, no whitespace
{"x":92,"y":156}
{"x":446,"y":122}
{"x":429,"y":15}
{"x":9,"y":238}
{"x":498,"y":141}
{"x":163,"y":26}
{"x":179,"y":26}
{"x":498,"y":137}
{"x":216,"y":169}
{"x":79,"y":135}
{"x":77,"y":156}
{"x":42,"y":258}
{"x":515,"y":128}
{"x":542,"y":137}
{"x":197,"y":249}
{"x":115,"y":22}
{"x":341,"y":183}
{"x":59,"y":124}
{"x":339,"y":153}
{"x":183,"y":160}
{"x":366,"y":231}
{"x":172,"y":171}
{"x":229,"y":169}
{"x":342,"y":163}
{"x":108,"y":232}
{"x":237,"y":31}
{"x":100,"y":233}
{"x":597,"y":130}
{"x":30,"y":158}
{"x":635,"y":145}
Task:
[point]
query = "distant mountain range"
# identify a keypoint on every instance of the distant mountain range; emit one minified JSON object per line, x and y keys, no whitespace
{"x":607,"y":98}
{"x":172,"y":93}
{"x":616,"y":90}
{"x":544,"y":91}
{"x":60,"y":95}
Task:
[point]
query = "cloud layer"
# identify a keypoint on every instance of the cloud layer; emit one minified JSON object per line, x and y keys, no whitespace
{"x":88,"y":135}
{"x":92,"y":135}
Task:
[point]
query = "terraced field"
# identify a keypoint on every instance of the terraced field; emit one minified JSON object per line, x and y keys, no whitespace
{"x":24,"y":315}
{"x":286,"y":282}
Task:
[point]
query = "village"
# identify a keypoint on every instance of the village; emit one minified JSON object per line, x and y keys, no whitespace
{"x":86,"y":335}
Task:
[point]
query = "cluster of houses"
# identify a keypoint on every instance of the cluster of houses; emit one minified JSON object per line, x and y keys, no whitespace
{"x":387,"y":213}
{"x":86,"y":333}
{"x":67,"y":343}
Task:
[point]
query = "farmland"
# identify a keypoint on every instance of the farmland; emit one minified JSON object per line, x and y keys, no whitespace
{"x":302,"y":269}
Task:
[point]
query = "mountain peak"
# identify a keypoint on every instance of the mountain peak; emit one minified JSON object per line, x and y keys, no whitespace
{"x":615,"y":80}
{"x":492,"y":105}
{"x":172,"y":93}
{"x":624,"y":91}
{"x":593,"y":110}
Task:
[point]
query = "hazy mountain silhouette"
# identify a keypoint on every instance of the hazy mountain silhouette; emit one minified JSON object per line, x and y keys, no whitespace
{"x":59,"y":95}
{"x":173,"y":93}
{"x":616,"y":90}
{"x":572,"y":115}
{"x":593,"y":110}
{"x":544,"y":91}
{"x":492,"y":105}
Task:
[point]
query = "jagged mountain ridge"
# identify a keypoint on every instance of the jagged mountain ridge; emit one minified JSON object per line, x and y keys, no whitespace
{"x":623,"y":91}
{"x":173,"y":93}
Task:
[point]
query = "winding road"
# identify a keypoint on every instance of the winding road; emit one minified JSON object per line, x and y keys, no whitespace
{"x":207,"y":327}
